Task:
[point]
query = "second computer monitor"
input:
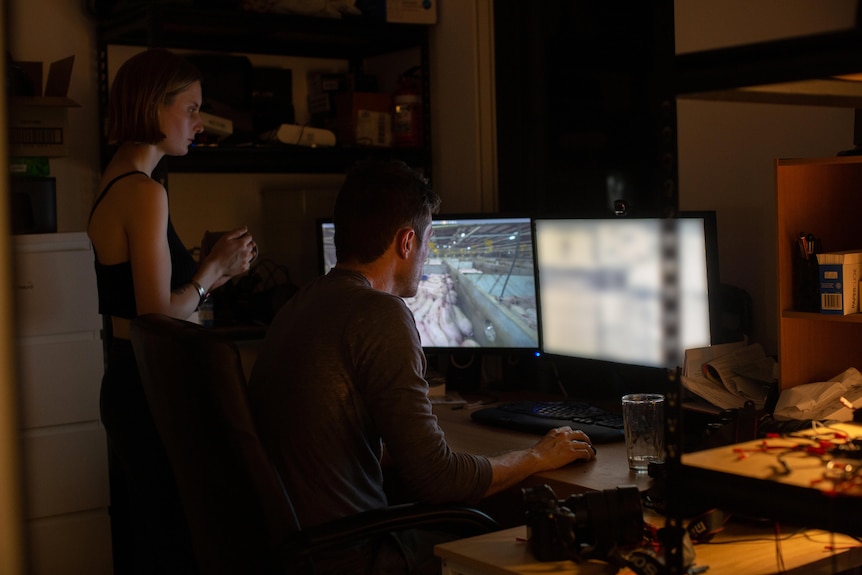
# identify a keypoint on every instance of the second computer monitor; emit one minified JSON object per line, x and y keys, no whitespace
{"x":603,"y":287}
{"x":478,"y":287}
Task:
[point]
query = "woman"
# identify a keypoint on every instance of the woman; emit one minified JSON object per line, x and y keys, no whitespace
{"x":142,"y":267}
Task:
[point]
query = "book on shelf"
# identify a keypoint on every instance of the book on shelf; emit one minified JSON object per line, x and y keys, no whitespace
{"x":728,"y":375}
{"x":838,"y":275}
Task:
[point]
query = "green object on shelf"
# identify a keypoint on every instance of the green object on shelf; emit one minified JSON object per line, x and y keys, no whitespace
{"x":31,"y":166}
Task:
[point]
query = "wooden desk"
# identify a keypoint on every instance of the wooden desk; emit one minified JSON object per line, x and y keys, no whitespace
{"x":739,"y":550}
{"x":779,"y":478}
{"x":609,"y":469}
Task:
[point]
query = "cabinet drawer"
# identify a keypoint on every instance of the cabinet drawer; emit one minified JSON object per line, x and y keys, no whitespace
{"x":65,"y":469}
{"x":55,"y":287}
{"x":71,"y":544}
{"x":60,"y":376}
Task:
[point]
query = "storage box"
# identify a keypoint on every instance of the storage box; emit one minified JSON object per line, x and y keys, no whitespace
{"x":839,"y":274}
{"x":38,"y":125}
{"x":411,"y":11}
{"x":364,"y":118}
{"x":401,"y":11}
{"x":324,"y":82}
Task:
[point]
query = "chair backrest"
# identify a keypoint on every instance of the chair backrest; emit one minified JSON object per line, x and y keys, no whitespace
{"x":237,"y":509}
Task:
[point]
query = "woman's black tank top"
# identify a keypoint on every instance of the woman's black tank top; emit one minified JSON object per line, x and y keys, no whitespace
{"x":114,"y":282}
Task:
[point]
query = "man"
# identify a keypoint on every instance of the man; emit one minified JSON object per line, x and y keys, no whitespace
{"x":340,"y":376}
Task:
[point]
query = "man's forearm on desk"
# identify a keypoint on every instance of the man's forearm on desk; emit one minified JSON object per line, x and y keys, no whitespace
{"x":557,"y":448}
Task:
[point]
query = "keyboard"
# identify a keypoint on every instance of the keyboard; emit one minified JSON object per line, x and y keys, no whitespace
{"x":539,"y":417}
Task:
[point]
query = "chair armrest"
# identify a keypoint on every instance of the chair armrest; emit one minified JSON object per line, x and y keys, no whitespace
{"x":460,"y":519}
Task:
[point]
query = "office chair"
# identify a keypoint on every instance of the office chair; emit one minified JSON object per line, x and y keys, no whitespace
{"x":240,"y":516}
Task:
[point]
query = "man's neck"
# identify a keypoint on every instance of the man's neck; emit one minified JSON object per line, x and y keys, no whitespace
{"x":375,"y":272}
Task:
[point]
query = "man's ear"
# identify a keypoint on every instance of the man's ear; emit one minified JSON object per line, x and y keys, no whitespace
{"x":404,"y":241}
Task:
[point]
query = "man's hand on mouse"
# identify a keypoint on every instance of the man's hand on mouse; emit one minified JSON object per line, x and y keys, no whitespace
{"x":563,"y":445}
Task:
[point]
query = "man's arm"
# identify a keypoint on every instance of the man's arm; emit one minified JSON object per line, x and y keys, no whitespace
{"x":557,"y":448}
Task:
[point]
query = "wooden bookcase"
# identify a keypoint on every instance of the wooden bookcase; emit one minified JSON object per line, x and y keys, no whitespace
{"x":820,"y":196}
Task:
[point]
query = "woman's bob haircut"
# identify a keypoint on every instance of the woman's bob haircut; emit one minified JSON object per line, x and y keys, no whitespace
{"x":145,"y":83}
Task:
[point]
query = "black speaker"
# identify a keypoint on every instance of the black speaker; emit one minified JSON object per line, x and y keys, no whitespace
{"x":463,"y":371}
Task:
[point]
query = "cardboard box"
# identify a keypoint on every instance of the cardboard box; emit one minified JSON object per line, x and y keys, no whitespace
{"x":324,"y":82}
{"x":401,"y":11}
{"x":839,"y":274}
{"x":39,"y":125}
{"x":364,"y":118}
{"x":411,"y":11}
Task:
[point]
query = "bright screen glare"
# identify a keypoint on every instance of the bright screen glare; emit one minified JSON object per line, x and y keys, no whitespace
{"x":601,"y":289}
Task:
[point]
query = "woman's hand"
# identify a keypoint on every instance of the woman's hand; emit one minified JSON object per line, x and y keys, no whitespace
{"x":231,"y":255}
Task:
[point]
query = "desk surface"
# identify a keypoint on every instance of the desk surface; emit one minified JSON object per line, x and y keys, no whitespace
{"x":738,"y":549}
{"x":609,"y":469}
{"x":752,"y":551}
{"x":794,"y":460}
{"x":762,"y":476}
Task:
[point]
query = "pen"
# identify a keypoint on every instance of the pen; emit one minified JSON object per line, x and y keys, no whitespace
{"x":803,"y":246}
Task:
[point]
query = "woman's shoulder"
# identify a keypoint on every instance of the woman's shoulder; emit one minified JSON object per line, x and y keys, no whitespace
{"x":133,"y":188}
{"x":127,"y":179}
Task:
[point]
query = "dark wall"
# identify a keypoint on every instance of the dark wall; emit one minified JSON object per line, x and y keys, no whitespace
{"x":585,"y":111}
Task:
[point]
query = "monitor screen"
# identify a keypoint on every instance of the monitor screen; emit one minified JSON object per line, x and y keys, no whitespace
{"x":478,"y":288}
{"x":602,"y":294}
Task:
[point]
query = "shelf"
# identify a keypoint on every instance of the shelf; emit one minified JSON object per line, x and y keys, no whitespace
{"x":811,"y":316}
{"x":820,"y":195}
{"x":223,"y":30}
{"x":286,"y":159}
{"x":235,"y":31}
{"x":803,"y":71}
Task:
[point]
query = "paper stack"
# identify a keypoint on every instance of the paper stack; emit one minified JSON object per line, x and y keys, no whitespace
{"x":728,"y":375}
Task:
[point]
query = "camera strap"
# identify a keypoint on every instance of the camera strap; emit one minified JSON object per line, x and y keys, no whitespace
{"x":703,"y":527}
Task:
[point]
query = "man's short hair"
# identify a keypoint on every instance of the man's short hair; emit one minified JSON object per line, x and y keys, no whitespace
{"x":376,"y":200}
{"x":143,"y":84}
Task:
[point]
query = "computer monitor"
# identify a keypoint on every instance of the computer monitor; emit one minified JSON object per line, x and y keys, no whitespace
{"x":603,"y":294}
{"x":478,"y":288}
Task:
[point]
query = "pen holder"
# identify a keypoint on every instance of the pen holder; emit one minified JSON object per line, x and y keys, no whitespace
{"x":806,"y":290}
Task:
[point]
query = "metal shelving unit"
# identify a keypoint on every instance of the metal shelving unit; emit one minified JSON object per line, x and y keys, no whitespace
{"x":353,"y":39}
{"x":807,"y":70}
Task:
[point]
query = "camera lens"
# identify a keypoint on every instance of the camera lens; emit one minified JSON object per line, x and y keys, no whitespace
{"x":606,"y":518}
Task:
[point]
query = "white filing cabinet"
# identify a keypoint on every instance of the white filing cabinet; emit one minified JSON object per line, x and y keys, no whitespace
{"x":60,"y":363}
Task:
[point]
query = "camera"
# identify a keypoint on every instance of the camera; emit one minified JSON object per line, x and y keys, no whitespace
{"x":584,"y":525}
